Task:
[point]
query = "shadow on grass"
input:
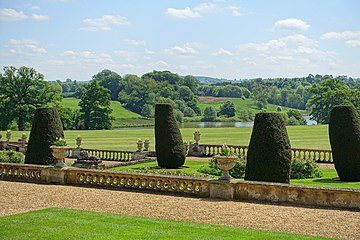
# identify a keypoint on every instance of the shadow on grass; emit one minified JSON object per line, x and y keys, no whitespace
{"x":328,"y":180}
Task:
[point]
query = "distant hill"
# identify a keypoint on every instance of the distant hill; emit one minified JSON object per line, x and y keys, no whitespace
{"x":210,"y":80}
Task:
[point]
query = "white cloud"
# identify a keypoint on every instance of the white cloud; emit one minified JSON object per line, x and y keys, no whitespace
{"x":353,"y":43}
{"x":159,"y":65}
{"x":204,"y":8}
{"x":8,"y":14}
{"x":128,"y":56}
{"x":186,"y":50}
{"x":35,"y":8}
{"x":182,"y":13}
{"x":104,"y":23}
{"x":278,"y":44}
{"x":56,"y":62}
{"x":39,"y":17}
{"x":291,"y":24}
{"x":235,"y":11}
{"x":135,"y":42}
{"x":222,"y":52}
{"x":341,"y":35}
{"x":25,"y":47}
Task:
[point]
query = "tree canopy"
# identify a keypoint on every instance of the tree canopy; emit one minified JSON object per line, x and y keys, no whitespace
{"x":22,"y":90}
{"x":95,"y":106}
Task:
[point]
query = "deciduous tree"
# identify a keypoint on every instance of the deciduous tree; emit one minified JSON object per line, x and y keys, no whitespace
{"x":23,"y":90}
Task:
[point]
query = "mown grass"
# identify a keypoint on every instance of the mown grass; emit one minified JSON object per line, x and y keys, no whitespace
{"x":329,"y":179}
{"x":55,"y":223}
{"x":315,"y":137}
{"x":118,"y":110}
{"x":240,"y":105}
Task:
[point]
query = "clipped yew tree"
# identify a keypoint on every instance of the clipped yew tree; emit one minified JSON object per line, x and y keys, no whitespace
{"x":269,"y":153}
{"x":170,"y":152}
{"x":46,"y":128}
{"x":344,"y":134}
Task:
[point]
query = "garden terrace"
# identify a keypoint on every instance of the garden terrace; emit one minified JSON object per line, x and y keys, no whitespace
{"x":199,"y":187}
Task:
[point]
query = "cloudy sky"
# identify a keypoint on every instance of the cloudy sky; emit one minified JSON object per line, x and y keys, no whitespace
{"x":220,"y":38}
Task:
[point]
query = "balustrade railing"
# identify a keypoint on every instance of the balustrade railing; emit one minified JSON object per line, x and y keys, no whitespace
{"x":22,"y":171}
{"x":109,"y":155}
{"x":140,"y":181}
{"x":317,"y":155}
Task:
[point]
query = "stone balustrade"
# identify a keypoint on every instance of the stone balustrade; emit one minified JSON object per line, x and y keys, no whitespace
{"x":318,"y":155}
{"x":197,"y":187}
{"x":107,"y":155}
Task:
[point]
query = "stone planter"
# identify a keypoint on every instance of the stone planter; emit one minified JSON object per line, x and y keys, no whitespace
{"x":60,"y":153}
{"x":225,"y":163}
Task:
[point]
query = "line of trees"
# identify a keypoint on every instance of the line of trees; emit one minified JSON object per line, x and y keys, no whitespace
{"x":23,"y":90}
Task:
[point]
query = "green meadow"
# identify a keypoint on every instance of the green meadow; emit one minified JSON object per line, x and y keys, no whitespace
{"x":56,"y":223}
{"x":314,"y":137}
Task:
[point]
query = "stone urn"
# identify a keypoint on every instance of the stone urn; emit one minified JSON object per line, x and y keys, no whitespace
{"x":225,"y":163}
{"x":60,"y":153}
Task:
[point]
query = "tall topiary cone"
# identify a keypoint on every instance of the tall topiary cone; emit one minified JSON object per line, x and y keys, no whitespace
{"x":344,"y":134}
{"x":46,"y":127}
{"x":170,"y":150}
{"x":269,"y":153}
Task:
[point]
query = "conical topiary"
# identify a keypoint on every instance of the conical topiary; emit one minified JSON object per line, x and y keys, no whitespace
{"x":344,"y":134}
{"x":169,"y":145}
{"x":269,"y":153}
{"x":46,"y":128}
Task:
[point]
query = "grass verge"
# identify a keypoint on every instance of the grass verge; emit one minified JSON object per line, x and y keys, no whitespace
{"x":57,"y":223}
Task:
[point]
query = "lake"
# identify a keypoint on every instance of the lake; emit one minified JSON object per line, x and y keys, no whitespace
{"x":230,"y":124}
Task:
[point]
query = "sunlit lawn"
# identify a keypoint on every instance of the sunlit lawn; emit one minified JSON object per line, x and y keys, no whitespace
{"x":315,"y":136}
{"x":57,"y":224}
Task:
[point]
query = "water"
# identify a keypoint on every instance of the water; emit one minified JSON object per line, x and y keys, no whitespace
{"x":221,"y":124}
{"x":229,"y":124}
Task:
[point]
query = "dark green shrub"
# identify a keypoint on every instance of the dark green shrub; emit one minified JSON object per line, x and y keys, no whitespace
{"x":307,"y":168}
{"x":299,"y":169}
{"x":46,"y":128}
{"x":11,"y":156}
{"x":344,"y":134}
{"x":169,"y":145}
{"x":269,"y":153}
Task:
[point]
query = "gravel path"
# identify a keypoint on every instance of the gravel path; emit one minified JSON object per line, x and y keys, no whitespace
{"x":17,"y":197}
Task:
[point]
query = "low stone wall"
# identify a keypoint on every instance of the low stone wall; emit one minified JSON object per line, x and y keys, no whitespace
{"x":199,"y":187}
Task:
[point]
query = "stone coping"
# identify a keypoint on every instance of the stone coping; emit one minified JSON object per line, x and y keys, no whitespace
{"x":198,"y":187}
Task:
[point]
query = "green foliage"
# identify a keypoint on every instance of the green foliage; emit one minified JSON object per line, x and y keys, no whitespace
{"x":95,"y":106}
{"x":46,"y":129}
{"x":169,"y":145}
{"x":301,"y":168}
{"x":10,"y":156}
{"x":21,"y":92}
{"x":209,"y":114}
{"x":329,"y":93}
{"x":228,"y":109}
{"x":110,"y":80}
{"x":59,"y":142}
{"x":344,"y":133}
{"x":269,"y":153}
{"x":294,"y":117}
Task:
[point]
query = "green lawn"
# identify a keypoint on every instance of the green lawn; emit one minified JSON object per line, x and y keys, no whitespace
{"x":118,"y":110}
{"x":57,"y":223}
{"x":329,"y":179}
{"x":240,"y":104}
{"x":315,"y":136}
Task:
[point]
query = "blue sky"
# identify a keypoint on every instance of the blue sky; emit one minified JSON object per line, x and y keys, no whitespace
{"x":221,"y":38}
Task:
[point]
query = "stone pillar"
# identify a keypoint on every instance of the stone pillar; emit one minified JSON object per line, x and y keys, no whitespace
{"x":222,"y":189}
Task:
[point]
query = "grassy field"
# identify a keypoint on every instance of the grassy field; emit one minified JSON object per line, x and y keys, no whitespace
{"x":314,"y":136}
{"x":55,"y":223}
{"x":240,"y":104}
